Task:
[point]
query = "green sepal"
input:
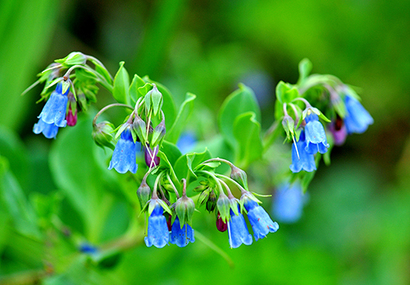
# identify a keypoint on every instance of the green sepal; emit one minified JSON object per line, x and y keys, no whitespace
{"x":121,"y":85}
{"x":140,"y":127}
{"x":223,"y":204}
{"x":305,"y":67}
{"x":184,"y":208}
{"x":156,"y":98}
{"x":289,"y":126}
{"x":66,"y":86}
{"x":158,"y":134}
{"x":136,"y":83}
{"x":102,"y":134}
{"x":74,"y":58}
{"x":233,"y":205}
{"x":121,"y":129}
{"x":310,"y":110}
{"x":143,"y":193}
{"x":239,"y":176}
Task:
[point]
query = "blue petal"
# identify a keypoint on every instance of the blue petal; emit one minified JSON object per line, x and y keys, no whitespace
{"x":305,"y":160}
{"x":260,"y":221}
{"x":49,"y":130}
{"x":158,"y":234}
{"x":55,"y":109}
{"x":181,"y":237}
{"x":288,"y":203}
{"x":238,"y":231}
{"x":357,"y":118}
{"x":124,"y":155}
{"x":316,"y":135}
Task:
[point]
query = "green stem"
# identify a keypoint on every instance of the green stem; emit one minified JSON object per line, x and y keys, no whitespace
{"x":108,"y":107}
{"x":233,"y":181}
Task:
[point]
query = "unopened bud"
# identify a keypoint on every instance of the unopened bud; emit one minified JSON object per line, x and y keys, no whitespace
{"x":143,"y":193}
{"x":220,"y":224}
{"x":184,"y":207}
{"x":239,"y":176}
{"x":223,"y":205}
{"x":102,"y":134}
{"x":158,"y":133}
{"x":71,"y":115}
{"x":151,"y":158}
{"x":140,"y":128}
{"x":211,"y":203}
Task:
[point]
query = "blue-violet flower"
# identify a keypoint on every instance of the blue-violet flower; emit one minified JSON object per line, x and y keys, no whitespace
{"x":158,"y":234}
{"x":357,"y":119}
{"x":301,"y":159}
{"x":181,"y":237}
{"x":315,"y":135}
{"x":237,"y":230}
{"x":260,"y":221}
{"x":124,"y":155}
{"x":288,"y":203}
{"x":52,"y":116}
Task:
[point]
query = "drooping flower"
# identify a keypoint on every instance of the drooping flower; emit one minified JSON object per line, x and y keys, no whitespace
{"x":181,"y":236}
{"x":237,"y":230}
{"x":158,"y":234}
{"x":220,"y":224}
{"x":338,"y":130}
{"x":301,"y":159}
{"x":288,"y":203}
{"x":151,"y":158}
{"x":315,"y":135}
{"x":357,"y":118}
{"x":52,"y":116}
{"x":124,"y":155}
{"x":260,"y":221}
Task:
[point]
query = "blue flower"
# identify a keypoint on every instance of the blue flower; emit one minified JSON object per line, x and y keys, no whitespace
{"x":124,"y":156}
{"x":357,"y":119}
{"x":53,"y":114}
{"x":186,"y":142}
{"x":181,"y":237}
{"x":315,"y":135}
{"x":288,"y":203}
{"x":301,"y":159}
{"x":237,"y":230}
{"x":158,"y":234}
{"x":88,"y":248}
{"x":49,"y":130}
{"x":260,"y":221}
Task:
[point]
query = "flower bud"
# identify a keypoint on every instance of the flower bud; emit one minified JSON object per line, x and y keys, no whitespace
{"x":220,"y":224}
{"x":71,"y":115}
{"x":239,"y":176}
{"x":184,"y":207}
{"x":82,"y":100}
{"x":143,"y":193}
{"x":289,"y":126}
{"x":102,"y":134}
{"x":158,"y":133}
{"x":151,"y":158}
{"x":211,"y":203}
{"x":140,"y":128}
{"x":223,"y":205}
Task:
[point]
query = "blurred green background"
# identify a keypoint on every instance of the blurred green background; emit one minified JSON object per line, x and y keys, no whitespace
{"x":356,"y":226}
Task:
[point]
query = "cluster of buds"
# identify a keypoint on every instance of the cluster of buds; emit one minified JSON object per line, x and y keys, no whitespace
{"x":76,"y":87}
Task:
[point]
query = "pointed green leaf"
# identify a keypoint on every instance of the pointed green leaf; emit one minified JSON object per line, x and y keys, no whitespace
{"x":182,"y":118}
{"x":121,"y":85}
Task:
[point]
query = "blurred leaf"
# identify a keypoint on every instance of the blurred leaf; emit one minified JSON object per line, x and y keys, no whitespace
{"x":26,"y":28}
{"x":77,"y":172}
{"x":247,"y":134}
{"x":12,"y":198}
{"x":121,"y":85}
{"x":182,"y":118}
{"x":240,"y":101}
{"x":305,"y":67}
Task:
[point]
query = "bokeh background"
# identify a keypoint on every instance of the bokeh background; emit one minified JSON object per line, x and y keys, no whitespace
{"x":355,"y":228}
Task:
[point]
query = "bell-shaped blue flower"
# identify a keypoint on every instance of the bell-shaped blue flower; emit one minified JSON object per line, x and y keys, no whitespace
{"x":237,"y":230}
{"x":49,"y":130}
{"x":158,"y":234}
{"x":288,"y":203}
{"x":260,"y":221}
{"x":53,"y":114}
{"x":357,"y":119}
{"x":124,"y":155}
{"x":315,"y":135}
{"x":181,"y":237}
{"x":301,"y":159}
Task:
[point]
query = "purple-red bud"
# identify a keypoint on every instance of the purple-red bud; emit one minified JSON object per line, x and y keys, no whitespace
{"x":71,"y":118}
{"x":151,"y":158}
{"x":220,"y":225}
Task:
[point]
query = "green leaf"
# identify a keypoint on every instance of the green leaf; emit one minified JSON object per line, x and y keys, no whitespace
{"x":136,"y":83}
{"x":290,"y":95}
{"x":80,"y":174}
{"x":172,"y":151}
{"x":73,"y":58}
{"x":182,"y":118}
{"x":121,"y":85}
{"x":305,"y":67}
{"x":240,"y":101}
{"x":281,"y":89}
{"x":14,"y":201}
{"x":186,"y":164}
{"x":247,"y":134}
